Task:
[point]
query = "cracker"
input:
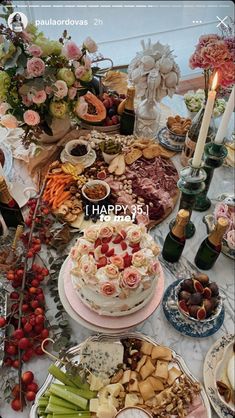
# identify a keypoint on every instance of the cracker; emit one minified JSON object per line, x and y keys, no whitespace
{"x":151,"y":152}
{"x":133,"y":155}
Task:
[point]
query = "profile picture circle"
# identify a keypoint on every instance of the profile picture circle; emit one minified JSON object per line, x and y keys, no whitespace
{"x":17,"y":21}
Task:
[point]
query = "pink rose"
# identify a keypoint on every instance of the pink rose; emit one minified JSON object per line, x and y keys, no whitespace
{"x":106,"y":232}
{"x":72,"y":93}
{"x":74,"y":253}
{"x":79,"y":71}
{"x":91,"y":234}
{"x":9,"y":121}
{"x":231,"y":239}
{"x":81,"y":107}
{"x":71,"y":51}
{"x":27,"y":101}
{"x":139,"y":259}
{"x":87,"y":62}
{"x":35,"y":67}
{"x":35,"y":51}
{"x":134,"y":234}
{"x":90,"y":45}
{"x":118,"y":261}
{"x":131,"y":278}
{"x":221,"y":211}
{"x":87,"y":266}
{"x":111,"y":271}
{"x":4,"y":107}
{"x":84,"y":247}
{"x":62,"y":89}
{"x":31,"y":117}
{"x":107,"y":289}
{"x":227,"y":74}
{"x":142,"y":219}
{"x":154,"y":268}
{"x":39,"y":97}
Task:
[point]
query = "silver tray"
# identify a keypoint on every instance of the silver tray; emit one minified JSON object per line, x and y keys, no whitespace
{"x":116,"y":338}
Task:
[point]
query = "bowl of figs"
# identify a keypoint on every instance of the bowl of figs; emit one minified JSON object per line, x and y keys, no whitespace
{"x":199,"y":299}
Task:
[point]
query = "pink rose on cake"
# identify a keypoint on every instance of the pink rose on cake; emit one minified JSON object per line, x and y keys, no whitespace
{"x":111,"y":271}
{"x":231,"y":239}
{"x":87,"y":266}
{"x":107,"y":289}
{"x":154,"y":268}
{"x":74,"y":253}
{"x":118,"y":261}
{"x":84,"y":247}
{"x":139,"y":259}
{"x":91,"y":234}
{"x":131,"y":278}
{"x":134,"y":234}
{"x":106,"y":232}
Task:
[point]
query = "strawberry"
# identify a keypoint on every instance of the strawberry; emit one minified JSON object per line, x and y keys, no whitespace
{"x":117,"y":239}
{"x":98,"y":242}
{"x":123,"y":233}
{"x":91,"y":253}
{"x":123,"y":245}
{"x":104,"y":248}
{"x":110,"y":253}
{"x":134,"y":245}
{"x":135,"y":249}
{"x":102,"y":262}
{"x":127,"y":260}
{"x":106,"y":240}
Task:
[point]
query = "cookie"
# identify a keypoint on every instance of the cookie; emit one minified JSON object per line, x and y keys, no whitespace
{"x":151,"y":152}
{"x":133,"y":155}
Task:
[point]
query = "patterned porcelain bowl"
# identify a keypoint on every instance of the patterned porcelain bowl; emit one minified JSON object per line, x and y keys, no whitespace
{"x":175,"y":137}
{"x":215,"y":314}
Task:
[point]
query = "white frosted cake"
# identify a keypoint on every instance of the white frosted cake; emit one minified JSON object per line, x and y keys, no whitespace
{"x":115,"y":268}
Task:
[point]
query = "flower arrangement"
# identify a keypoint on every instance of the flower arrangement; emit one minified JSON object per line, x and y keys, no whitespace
{"x":228,"y":212}
{"x":195,"y":100}
{"x":154,"y":57}
{"x":215,"y":53}
{"x":41,"y":79}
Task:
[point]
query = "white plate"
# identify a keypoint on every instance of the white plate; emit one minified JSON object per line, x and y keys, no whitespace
{"x":177,"y":360}
{"x":90,"y":159}
{"x":213,"y":356}
{"x":221,"y":372}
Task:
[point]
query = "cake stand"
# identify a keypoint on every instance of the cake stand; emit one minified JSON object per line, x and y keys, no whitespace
{"x":100,"y":323}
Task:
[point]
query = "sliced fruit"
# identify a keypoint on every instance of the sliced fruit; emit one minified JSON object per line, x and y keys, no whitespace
{"x":207,"y":293}
{"x":110,"y":253}
{"x":104,"y":248}
{"x":193,"y":309}
{"x":99,"y":111}
{"x":98,"y":242}
{"x":127,"y":260}
{"x":106,"y":240}
{"x":201,"y":313}
{"x":101,"y":175}
{"x":123,"y":245}
{"x":183,"y":306}
{"x":117,"y":239}
{"x":102,"y":262}
{"x":123,"y":233}
{"x":198,"y":286}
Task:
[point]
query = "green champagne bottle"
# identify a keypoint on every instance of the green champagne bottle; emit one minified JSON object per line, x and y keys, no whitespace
{"x":9,"y":208}
{"x":127,"y":121}
{"x":175,"y":240}
{"x":210,"y":248}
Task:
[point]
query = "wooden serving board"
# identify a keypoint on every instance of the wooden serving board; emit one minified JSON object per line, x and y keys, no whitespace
{"x":153,"y":223}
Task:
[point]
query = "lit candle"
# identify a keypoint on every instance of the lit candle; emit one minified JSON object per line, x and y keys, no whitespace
{"x":197,"y":158}
{"x":221,"y":133}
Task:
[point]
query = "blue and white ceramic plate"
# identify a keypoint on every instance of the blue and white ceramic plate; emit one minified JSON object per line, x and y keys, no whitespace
{"x":181,"y":323}
{"x":165,"y":139}
{"x":213,"y":357}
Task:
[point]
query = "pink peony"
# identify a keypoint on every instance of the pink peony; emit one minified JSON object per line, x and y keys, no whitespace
{"x":35,"y":51}
{"x":9,"y":121}
{"x":221,"y":210}
{"x":26,"y":101}
{"x":35,"y":67}
{"x":131,"y":278}
{"x":231,"y":239}
{"x":72,"y":93}
{"x":90,"y":45}
{"x":87,"y":62}
{"x":71,"y":51}
{"x":79,"y":71}
{"x":108,"y":289}
{"x":31,"y":117}
{"x":39,"y":97}
{"x":62,"y":89}
{"x":227,"y":74}
{"x":81,"y":108}
{"x":118,"y":261}
{"x":4,"y":107}
{"x":195,"y":61}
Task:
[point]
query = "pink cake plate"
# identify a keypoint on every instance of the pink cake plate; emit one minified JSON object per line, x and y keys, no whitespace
{"x":99,"y":322}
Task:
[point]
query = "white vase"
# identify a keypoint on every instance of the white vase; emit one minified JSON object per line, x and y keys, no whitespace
{"x":59,"y":127}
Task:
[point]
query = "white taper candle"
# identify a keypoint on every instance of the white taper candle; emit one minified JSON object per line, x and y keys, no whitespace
{"x":222,"y":130}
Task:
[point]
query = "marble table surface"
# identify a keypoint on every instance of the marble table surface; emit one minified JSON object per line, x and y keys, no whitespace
{"x":191,"y":349}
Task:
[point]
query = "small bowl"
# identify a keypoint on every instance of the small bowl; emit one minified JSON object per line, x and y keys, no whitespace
{"x":221,"y":374}
{"x":191,"y":318}
{"x":72,"y":144}
{"x":145,"y":414}
{"x":175,"y":137}
{"x":108,"y":157}
{"x":92,"y":183}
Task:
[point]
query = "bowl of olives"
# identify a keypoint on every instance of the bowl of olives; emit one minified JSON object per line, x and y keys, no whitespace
{"x":198,"y":299}
{"x":110,"y":149}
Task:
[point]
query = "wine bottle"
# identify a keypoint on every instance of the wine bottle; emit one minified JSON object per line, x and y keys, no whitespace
{"x":193,"y":134}
{"x":127,"y":120}
{"x":210,"y":248}
{"x":148,"y":112}
{"x":9,"y":208}
{"x":175,"y":240}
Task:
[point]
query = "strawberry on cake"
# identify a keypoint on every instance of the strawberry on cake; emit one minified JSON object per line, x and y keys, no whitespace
{"x":115,"y":268}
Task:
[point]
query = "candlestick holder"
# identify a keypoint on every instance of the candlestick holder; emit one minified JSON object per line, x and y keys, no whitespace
{"x":214,"y":155}
{"x":191,"y":183}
